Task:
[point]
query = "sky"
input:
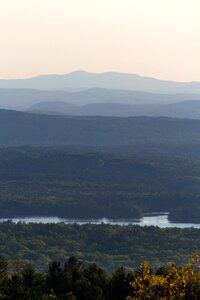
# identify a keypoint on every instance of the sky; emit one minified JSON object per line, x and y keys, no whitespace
{"x":157,"y":38}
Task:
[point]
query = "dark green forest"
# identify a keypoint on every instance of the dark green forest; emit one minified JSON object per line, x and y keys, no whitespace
{"x":17,"y":128}
{"x":109,"y":246}
{"x":77,"y":184}
{"x":91,"y":167}
{"x":75,"y":280}
{"x":72,"y":280}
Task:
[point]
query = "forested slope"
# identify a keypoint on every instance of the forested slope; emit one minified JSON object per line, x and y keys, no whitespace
{"x":78,"y":184}
{"x":17,"y":128}
{"x":110,"y":246}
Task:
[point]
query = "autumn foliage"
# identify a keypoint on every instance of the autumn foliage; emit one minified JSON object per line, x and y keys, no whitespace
{"x":171,"y":282}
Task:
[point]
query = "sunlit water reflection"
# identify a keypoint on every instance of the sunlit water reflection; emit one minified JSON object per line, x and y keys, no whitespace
{"x":155,"y":219}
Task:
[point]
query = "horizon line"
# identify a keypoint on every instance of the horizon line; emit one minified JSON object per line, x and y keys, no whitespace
{"x":95,"y":73}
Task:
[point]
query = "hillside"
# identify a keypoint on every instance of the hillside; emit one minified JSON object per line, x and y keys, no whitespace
{"x":185,"y":109}
{"x":17,"y":128}
{"x":61,"y":182}
{"x":23,"y":99}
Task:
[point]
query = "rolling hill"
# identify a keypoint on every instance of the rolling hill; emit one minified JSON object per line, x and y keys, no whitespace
{"x":23,"y":99}
{"x":185,"y":109}
{"x":18,"y":128}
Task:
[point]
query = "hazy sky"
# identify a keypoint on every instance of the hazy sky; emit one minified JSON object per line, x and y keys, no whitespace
{"x":159,"y":38}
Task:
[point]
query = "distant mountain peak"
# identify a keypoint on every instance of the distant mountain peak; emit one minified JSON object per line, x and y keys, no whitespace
{"x":83,"y":80}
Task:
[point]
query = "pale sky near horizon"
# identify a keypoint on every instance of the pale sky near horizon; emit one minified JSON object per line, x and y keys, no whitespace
{"x":157,"y":38}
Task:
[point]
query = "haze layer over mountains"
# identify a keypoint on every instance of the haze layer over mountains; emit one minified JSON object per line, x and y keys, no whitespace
{"x":107,"y":94}
{"x":80,"y":80}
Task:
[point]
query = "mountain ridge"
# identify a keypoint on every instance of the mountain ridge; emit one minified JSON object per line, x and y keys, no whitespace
{"x":20,"y":128}
{"x":22,"y":99}
{"x":184,"y":109}
{"x":81,"y":80}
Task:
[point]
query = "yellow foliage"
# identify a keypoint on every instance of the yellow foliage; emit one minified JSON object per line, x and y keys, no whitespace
{"x":178,"y":283}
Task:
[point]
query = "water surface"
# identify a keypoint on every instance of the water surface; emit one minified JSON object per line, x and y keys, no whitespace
{"x":155,"y":219}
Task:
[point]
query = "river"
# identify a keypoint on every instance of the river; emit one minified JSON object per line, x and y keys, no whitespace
{"x":155,"y":219}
